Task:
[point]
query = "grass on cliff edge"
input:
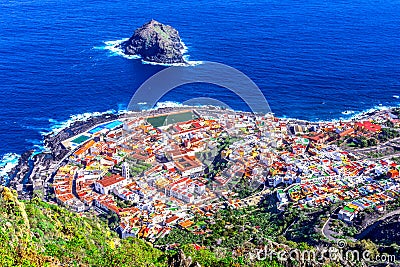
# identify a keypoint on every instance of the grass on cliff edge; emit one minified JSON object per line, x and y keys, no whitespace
{"x":36,"y":233}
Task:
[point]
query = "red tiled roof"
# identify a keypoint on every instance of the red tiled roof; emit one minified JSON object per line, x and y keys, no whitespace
{"x":171,"y":219}
{"x":113,"y":179}
{"x":369,"y":126}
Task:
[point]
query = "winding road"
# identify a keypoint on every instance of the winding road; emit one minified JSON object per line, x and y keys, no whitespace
{"x":327,"y":233}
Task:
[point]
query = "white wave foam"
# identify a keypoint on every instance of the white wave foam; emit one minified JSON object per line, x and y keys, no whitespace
{"x":34,"y":128}
{"x":121,"y":107}
{"x":187,"y":64}
{"x":348,"y":112}
{"x":168,"y":104}
{"x":112,"y":46}
{"x":359,"y":115}
{"x":38,"y":146}
{"x":174,"y":104}
{"x":37,"y":149}
{"x":34,"y":141}
{"x":185,"y":48}
{"x":58,"y":126}
{"x":7,"y":162}
{"x":355,"y":115}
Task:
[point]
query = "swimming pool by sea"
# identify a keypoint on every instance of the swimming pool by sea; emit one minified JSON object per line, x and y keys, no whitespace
{"x":314,"y":60}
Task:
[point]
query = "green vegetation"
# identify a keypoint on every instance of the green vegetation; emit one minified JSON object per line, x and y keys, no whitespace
{"x":122,"y":203}
{"x":36,"y":233}
{"x":388,"y":134}
{"x":137,"y":167}
{"x":396,"y":111}
{"x":375,"y":154}
{"x":362,"y":141}
{"x":344,"y":230}
{"x":244,"y":188}
{"x":396,"y":159}
{"x":232,"y":228}
{"x":164,"y":120}
{"x":221,"y":258}
{"x":218,"y":164}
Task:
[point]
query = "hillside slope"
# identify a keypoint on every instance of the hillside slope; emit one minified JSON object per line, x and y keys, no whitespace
{"x":36,"y":233}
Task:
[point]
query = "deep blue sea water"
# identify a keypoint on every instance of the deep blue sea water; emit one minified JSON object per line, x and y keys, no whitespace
{"x":312,"y":59}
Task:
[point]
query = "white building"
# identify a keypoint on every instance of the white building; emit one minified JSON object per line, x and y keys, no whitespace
{"x":346,"y":216}
{"x":125,"y":170}
{"x":105,"y":185}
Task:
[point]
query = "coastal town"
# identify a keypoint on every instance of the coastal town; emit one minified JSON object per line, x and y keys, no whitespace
{"x":200,"y":134}
{"x":161,"y":171}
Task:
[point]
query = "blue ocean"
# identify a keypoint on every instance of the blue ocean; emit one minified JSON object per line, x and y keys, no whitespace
{"x":312,"y":59}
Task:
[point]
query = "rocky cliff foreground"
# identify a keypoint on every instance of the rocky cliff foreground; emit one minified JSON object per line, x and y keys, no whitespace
{"x":155,"y":42}
{"x":36,"y":233}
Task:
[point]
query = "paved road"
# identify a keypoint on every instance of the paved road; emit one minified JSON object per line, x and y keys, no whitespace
{"x":367,"y":149}
{"x":362,"y":152}
{"x":375,"y":223}
{"x":326,"y":232}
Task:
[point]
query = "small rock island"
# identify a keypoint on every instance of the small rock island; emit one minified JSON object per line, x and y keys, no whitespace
{"x":155,"y":42}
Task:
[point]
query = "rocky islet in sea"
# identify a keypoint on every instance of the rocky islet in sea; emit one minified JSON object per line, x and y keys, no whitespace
{"x":155,"y":42}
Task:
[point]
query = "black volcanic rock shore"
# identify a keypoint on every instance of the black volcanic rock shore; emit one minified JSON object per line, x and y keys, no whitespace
{"x":155,"y":42}
{"x":53,"y":142}
{"x":34,"y":173}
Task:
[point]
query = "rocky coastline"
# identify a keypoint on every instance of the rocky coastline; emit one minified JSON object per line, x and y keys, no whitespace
{"x":155,"y":42}
{"x":34,"y":171}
